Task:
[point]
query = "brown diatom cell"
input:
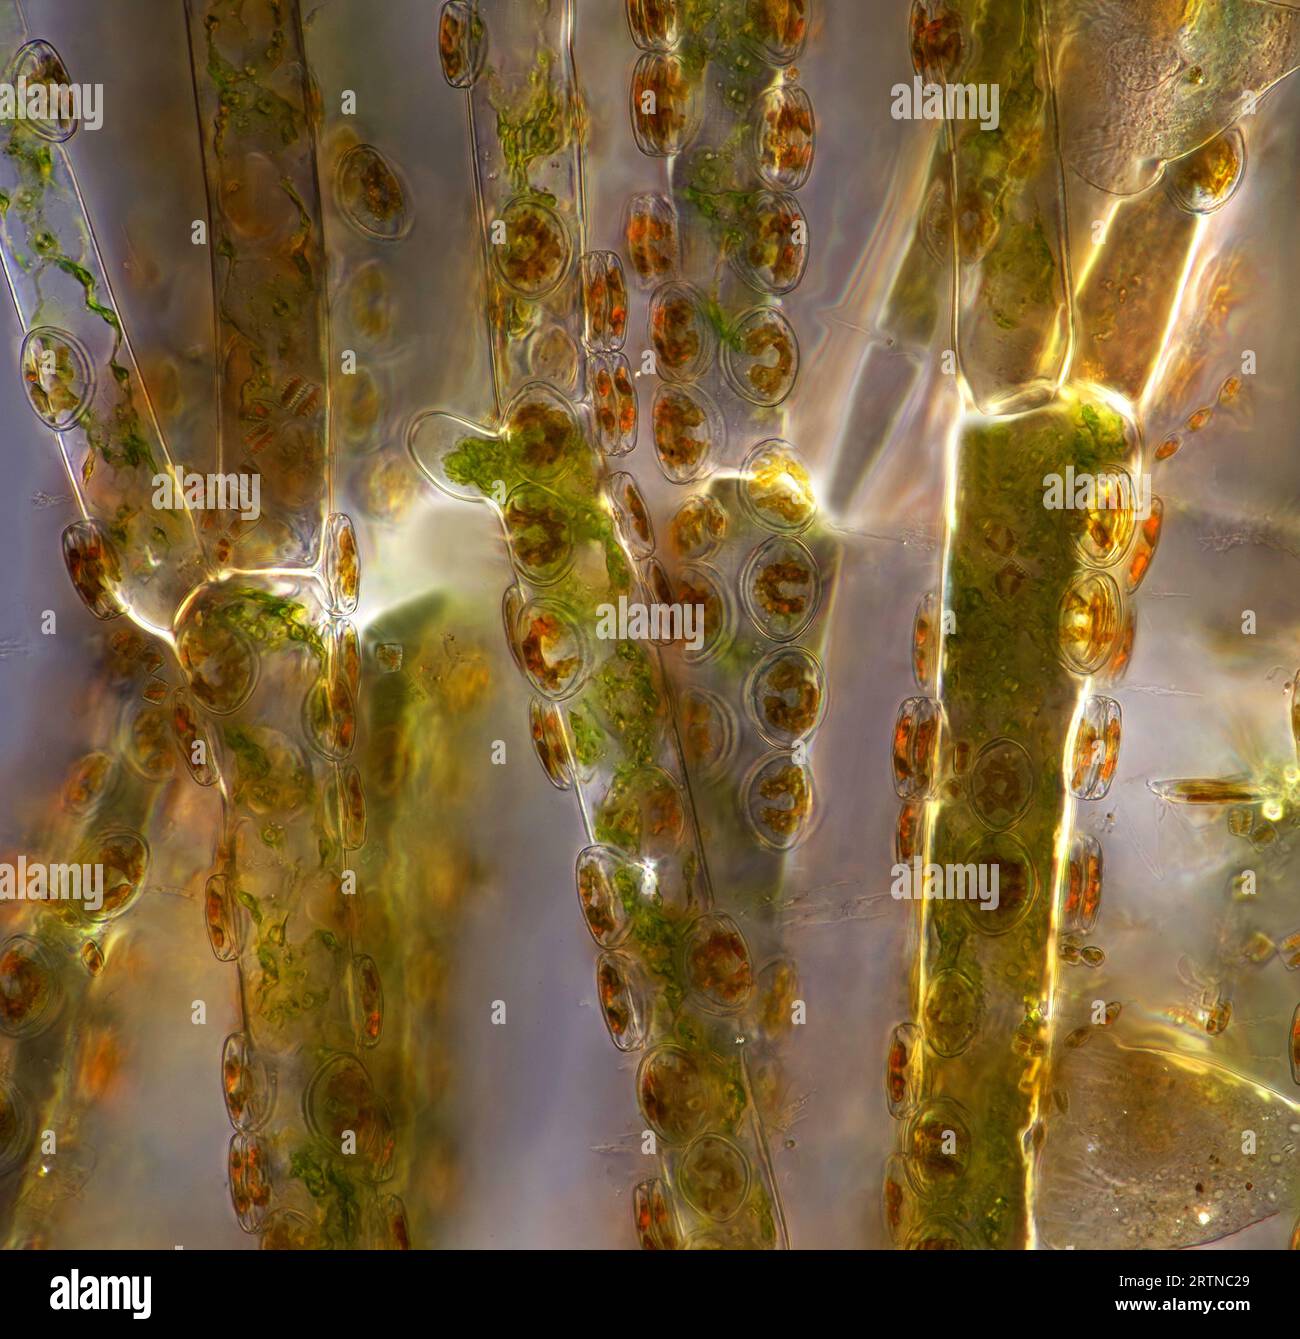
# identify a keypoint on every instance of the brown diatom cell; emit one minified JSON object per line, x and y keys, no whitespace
{"x":937,"y":1234}
{"x":1169,"y":447}
{"x":1008,"y":580}
{"x":552,"y":650}
{"x":1217,"y":1016}
{"x":344,"y":651}
{"x":246,"y":1082}
{"x":714,"y":1177}
{"x":124,"y":856}
{"x":289,"y":1230}
{"x":88,"y":782}
{"x":329,"y":717}
{"x":897,"y":1200}
{"x":1083,"y":887}
{"x":938,"y":1144}
{"x":604,"y":302}
{"x":370,"y":301}
{"x":787,"y":696}
{"x":342,"y":564}
{"x":1096,"y":749}
{"x":92,"y":957}
{"x":610,"y":886}
{"x":358,"y":405}
{"x":778,"y":991}
{"x":351,"y":804}
{"x":935,"y":226}
{"x":93,"y":567}
{"x":621,"y":995}
{"x":57,"y":375}
{"x":219,"y":662}
{"x":659,"y":590}
{"x":539,"y":534}
{"x":784,"y":135}
{"x":653,"y":1214}
{"x":760,"y":357}
{"x":130,"y":653}
{"x":249,"y":1165}
{"x":951,"y":1012}
{"x":15,"y":1126}
{"x":666,"y":104}
{"x":771,"y":252}
{"x":701,"y":587}
{"x":673,"y":1091}
{"x":1109,"y":522}
{"x":1257,"y":948}
{"x":1295,"y":1045}
{"x":652,"y":237}
{"x":1011,"y":874}
{"x":37,"y":62}
{"x":1207,"y":179}
{"x":546,"y":730}
{"x":543,"y":432}
{"x":369,"y":1002}
{"x":341,"y":1098}
{"x":779,"y":801}
{"x":717,"y":963}
{"x":925,"y":642}
{"x":937,"y":43}
{"x":1122,"y":656}
{"x":915,"y":749}
{"x":698,"y":527}
{"x":371,"y":195}
{"x":30,"y":993}
{"x":776,"y":488}
{"x":688,"y":432}
{"x":1211,"y":791}
{"x":1089,"y":621}
{"x":614,"y":406}
{"x":462,"y":42}
{"x":655,"y":24}
{"x":221,"y":916}
{"x":148,"y":744}
{"x":999,"y":538}
{"x":909,"y":831}
{"x":631,"y":515}
{"x":530,"y":247}
{"x":1001,"y":784}
{"x":1144,"y":550}
{"x":394,"y":1228}
{"x":683,"y":339}
{"x":708,"y":730}
{"x":777,"y":29}
{"x":781,"y":587}
{"x":553,"y":356}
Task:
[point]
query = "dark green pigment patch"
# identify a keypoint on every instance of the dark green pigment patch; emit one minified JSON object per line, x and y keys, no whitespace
{"x":269,"y":620}
{"x":532,"y":122}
